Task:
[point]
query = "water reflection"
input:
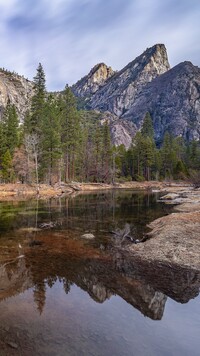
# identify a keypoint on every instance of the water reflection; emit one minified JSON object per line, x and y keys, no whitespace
{"x":56,"y":252}
{"x":42,"y":250}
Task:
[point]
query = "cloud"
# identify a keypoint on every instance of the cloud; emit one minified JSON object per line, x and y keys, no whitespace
{"x":70,"y":36}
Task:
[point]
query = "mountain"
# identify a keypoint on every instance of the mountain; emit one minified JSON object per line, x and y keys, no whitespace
{"x":16,"y":90}
{"x":173,"y":100}
{"x":89,"y":84}
{"x":171,"y":96}
{"x":119,"y":92}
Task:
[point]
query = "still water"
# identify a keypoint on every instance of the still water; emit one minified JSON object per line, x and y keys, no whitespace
{"x":63,"y":294}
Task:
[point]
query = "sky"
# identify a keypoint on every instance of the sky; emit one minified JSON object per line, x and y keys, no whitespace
{"x":68,"y":37}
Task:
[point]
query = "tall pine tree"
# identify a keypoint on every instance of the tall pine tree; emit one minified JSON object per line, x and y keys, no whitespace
{"x":70,"y":133}
{"x":38,"y":101}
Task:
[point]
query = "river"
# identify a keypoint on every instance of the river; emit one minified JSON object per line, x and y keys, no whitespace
{"x":63,"y":293}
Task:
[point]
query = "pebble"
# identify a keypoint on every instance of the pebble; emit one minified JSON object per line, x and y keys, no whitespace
{"x":88,"y":236}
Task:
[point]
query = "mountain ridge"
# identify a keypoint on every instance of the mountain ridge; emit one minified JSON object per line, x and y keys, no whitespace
{"x":173,"y":100}
{"x":119,"y":91}
{"x":171,"y":96}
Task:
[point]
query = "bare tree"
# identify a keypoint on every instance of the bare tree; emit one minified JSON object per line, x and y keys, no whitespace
{"x":33,"y":150}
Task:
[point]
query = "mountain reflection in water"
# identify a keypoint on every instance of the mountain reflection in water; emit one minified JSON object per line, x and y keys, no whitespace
{"x":35,"y":259}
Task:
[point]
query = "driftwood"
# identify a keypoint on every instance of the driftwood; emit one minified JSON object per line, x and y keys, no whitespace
{"x":48,"y":225}
{"x":125,"y":233}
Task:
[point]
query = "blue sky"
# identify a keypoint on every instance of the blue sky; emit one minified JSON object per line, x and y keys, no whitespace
{"x":70,"y":36}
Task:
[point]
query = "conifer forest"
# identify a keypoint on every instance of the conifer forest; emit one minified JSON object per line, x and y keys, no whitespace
{"x":59,"y":143}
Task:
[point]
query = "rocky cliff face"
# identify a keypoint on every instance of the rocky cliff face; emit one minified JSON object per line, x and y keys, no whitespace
{"x":147,"y":84}
{"x":93,"y":81}
{"x":172,"y":96}
{"x":122,"y":130}
{"x":17,"y":90}
{"x":119,"y":92}
{"x":173,"y":100}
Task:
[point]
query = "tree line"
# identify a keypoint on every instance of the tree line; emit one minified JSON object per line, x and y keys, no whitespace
{"x":57,"y":142}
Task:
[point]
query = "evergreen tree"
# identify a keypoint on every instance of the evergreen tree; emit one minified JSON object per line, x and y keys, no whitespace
{"x":167,"y":155}
{"x":7,"y":172}
{"x":38,"y":101}
{"x":144,"y":151}
{"x":70,"y":133}
{"x":10,"y":128}
{"x":106,"y":154}
{"x":147,"y":127}
{"x":3,"y":146}
{"x":50,"y":139}
{"x":193,"y":155}
{"x":97,"y":152}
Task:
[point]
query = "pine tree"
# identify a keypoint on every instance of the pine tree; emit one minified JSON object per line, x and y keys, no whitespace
{"x":38,"y":101}
{"x":70,"y":133}
{"x":147,"y":127}
{"x":106,"y":154}
{"x":144,"y":150}
{"x":168,"y":155}
{"x":7,"y":167}
{"x":3,"y":146}
{"x":51,"y":139}
{"x":11,"y":128}
{"x":97,"y":151}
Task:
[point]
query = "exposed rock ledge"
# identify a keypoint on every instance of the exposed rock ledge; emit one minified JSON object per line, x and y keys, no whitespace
{"x":175,"y":239}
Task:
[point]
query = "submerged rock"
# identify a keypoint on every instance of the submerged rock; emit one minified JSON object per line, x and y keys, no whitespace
{"x":88,"y":236}
{"x":170,"y":196}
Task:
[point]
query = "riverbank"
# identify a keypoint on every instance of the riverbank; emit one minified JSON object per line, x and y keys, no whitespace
{"x":174,"y":239}
{"x":20,"y":191}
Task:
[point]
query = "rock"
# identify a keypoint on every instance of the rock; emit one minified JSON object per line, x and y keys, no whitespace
{"x":170,"y":196}
{"x":174,"y":239}
{"x":119,"y":93}
{"x":88,"y":236}
{"x":17,"y":90}
{"x":122,"y":131}
{"x":93,"y":81}
{"x":171,"y":96}
{"x":173,"y":100}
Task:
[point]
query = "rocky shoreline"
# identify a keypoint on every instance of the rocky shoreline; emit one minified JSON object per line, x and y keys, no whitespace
{"x":175,"y":238}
